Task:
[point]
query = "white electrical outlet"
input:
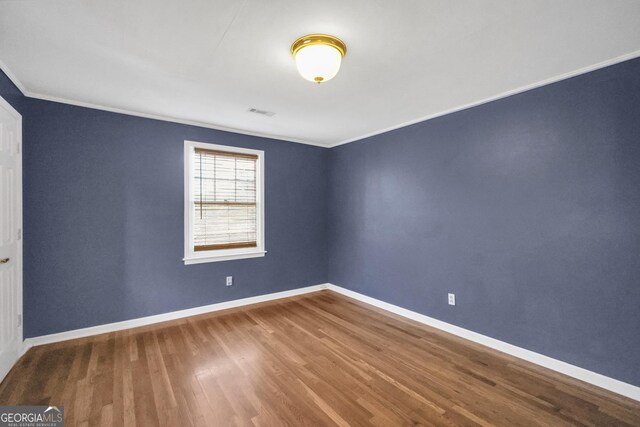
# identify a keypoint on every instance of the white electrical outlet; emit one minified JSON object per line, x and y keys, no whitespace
{"x":452,"y":299}
{"x":229,"y":280}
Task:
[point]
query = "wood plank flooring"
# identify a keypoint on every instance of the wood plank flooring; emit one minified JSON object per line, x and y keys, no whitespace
{"x":313,"y":360}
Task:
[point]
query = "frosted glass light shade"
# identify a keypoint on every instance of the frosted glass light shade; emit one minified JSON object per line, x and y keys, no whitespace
{"x":318,"y":63}
{"x":318,"y":56}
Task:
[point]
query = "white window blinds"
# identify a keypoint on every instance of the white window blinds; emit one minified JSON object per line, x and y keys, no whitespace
{"x":224,"y":200}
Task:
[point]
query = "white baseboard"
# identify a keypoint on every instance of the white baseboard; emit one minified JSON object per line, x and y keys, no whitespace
{"x":149,"y":320}
{"x":585,"y":375}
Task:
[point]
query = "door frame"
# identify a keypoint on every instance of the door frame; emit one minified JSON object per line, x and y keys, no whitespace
{"x":19,"y":242}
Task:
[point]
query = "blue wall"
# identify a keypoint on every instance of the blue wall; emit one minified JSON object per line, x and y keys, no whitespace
{"x":103,"y":218}
{"x":11,"y":93}
{"x":528,"y":208}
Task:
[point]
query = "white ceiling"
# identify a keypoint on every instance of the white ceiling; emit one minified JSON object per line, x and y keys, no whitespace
{"x":209,"y":61}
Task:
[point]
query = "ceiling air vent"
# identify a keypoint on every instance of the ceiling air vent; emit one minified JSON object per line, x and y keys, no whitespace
{"x":262,"y":112}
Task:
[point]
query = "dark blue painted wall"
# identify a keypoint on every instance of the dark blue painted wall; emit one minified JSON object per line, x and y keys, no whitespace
{"x":11,"y":93}
{"x":103,"y":204}
{"x":103,"y":218}
{"x":528,"y":208}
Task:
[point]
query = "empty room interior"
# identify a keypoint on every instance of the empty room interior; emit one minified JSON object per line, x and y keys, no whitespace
{"x":346,"y":213}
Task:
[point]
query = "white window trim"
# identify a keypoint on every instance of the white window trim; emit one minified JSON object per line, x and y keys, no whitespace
{"x":193,"y":257}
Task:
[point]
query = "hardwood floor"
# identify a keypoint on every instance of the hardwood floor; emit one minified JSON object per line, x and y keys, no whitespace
{"x":318,"y":359}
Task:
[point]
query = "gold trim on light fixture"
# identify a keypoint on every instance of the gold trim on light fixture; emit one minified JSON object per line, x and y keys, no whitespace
{"x":324,"y":39}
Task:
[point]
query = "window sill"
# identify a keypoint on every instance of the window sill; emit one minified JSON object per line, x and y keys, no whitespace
{"x":215,"y":258}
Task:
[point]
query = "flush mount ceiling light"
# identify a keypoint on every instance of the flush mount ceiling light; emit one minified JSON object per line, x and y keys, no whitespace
{"x":318,"y":56}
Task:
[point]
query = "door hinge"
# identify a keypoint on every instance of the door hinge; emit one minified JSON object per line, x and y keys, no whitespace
{"x":19,"y":233}
{"x":19,"y":320}
{"x":18,"y":148}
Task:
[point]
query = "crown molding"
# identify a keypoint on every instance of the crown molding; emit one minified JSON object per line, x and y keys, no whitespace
{"x":521,"y":89}
{"x":14,"y":79}
{"x":168,"y":119}
{"x":29,"y":94}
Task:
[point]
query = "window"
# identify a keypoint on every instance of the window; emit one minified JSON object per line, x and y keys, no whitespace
{"x":224,"y":203}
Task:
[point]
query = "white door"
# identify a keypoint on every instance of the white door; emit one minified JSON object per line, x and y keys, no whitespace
{"x":10,"y":237}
